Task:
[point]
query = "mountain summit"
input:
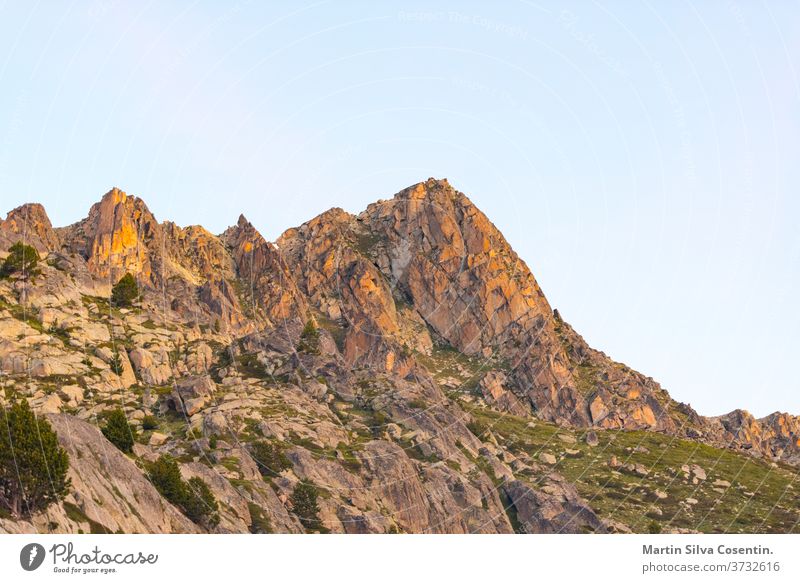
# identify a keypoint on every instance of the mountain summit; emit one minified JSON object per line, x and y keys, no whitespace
{"x":404,"y":360}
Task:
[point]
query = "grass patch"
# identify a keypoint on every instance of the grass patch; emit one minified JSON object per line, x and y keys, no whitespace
{"x":77,"y":515}
{"x":774,"y":507}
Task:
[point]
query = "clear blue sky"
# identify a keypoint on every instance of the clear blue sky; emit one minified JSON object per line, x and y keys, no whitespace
{"x":644,"y":159}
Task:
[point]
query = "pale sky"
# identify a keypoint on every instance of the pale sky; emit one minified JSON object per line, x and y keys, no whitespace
{"x":642,"y":158}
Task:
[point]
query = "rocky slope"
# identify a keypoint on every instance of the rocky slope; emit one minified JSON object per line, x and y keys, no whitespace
{"x":443,"y":393}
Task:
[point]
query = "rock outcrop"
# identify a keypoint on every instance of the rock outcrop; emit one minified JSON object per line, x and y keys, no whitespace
{"x":109,"y":492}
{"x":30,"y":224}
{"x":119,"y":236}
{"x":266,"y":282}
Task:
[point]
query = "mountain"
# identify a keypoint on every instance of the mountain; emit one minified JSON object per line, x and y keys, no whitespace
{"x":403,"y":362}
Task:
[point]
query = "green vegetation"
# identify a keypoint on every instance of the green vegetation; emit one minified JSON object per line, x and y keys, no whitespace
{"x":269,"y":457}
{"x":33,"y":466}
{"x":149,"y":422}
{"x":760,"y":498}
{"x":75,"y":514}
{"x":309,"y":338}
{"x":246,"y":295}
{"x":118,"y":431}
{"x":249,"y":366}
{"x":22,"y":260}
{"x":200,"y":504}
{"x":347,"y":457}
{"x":125,"y":292}
{"x":586,"y":377}
{"x":194,"y":497}
{"x":365,"y":243}
{"x":224,"y":359}
{"x":446,"y":364}
{"x":337,"y":329}
{"x":116,"y":363}
{"x":166,"y":477}
{"x":259,"y":522}
{"x":304,"y":505}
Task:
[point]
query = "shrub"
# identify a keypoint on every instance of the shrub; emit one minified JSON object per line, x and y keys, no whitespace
{"x":304,"y":505}
{"x":116,"y":363}
{"x":259,"y":522}
{"x":212,"y":441}
{"x":194,"y":498}
{"x":118,"y":431}
{"x":309,"y":338}
{"x":654,"y":527}
{"x":21,"y":259}
{"x":200,"y":504}
{"x":125,"y":291}
{"x":477,"y":428}
{"x":149,"y":422}
{"x":348,"y":457}
{"x":269,"y":457}
{"x":33,"y":466}
{"x":166,"y":477}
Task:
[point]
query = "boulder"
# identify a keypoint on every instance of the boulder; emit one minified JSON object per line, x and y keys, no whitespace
{"x":157,"y":438}
{"x":698,"y":472}
{"x":50,"y":404}
{"x":72,"y":394}
{"x":494,"y":392}
{"x":547,"y":458}
{"x":555,"y":508}
{"x":192,"y":394}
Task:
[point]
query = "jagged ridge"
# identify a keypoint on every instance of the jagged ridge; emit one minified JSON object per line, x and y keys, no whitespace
{"x":392,"y":289}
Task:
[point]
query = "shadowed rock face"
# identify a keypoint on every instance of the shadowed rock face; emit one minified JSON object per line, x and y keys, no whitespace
{"x":267,"y":283}
{"x":335,"y":269}
{"x":424,"y":317}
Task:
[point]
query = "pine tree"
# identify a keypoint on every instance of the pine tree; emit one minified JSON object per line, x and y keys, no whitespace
{"x":304,"y":505}
{"x":269,"y":457}
{"x":125,"y":291}
{"x":118,"y":431}
{"x":21,"y":259}
{"x":194,"y":497}
{"x":116,"y":363}
{"x":199,"y":504}
{"x":33,"y":466}
{"x":166,"y":477}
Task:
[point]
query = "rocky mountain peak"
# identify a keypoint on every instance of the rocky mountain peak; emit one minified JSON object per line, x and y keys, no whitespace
{"x":406,"y":345}
{"x":29,"y":223}
{"x":270,"y":287}
{"x":427,"y":189}
{"x":447,"y":253}
{"x":116,"y":237}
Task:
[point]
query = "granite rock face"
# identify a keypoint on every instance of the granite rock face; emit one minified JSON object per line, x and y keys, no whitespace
{"x":404,"y":361}
{"x":110,"y":493}
{"x":30,"y":224}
